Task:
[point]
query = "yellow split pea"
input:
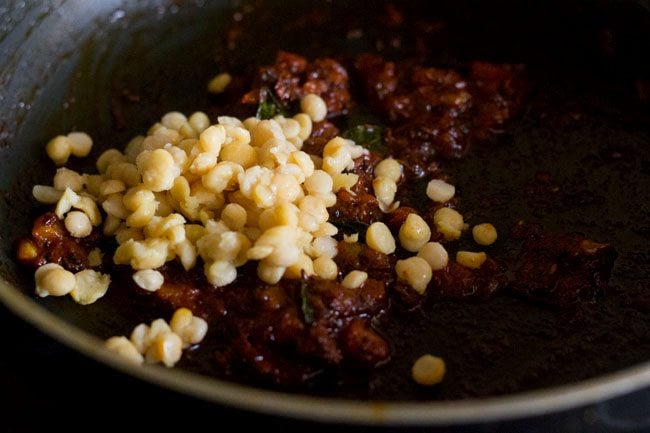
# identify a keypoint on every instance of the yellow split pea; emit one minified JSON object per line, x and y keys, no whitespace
{"x":428,"y":370}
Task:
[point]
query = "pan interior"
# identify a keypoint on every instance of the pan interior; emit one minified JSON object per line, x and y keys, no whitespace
{"x":114,"y":68}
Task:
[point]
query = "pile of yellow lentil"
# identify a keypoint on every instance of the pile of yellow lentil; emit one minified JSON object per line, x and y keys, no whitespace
{"x":229,"y":193}
{"x":161,"y":342}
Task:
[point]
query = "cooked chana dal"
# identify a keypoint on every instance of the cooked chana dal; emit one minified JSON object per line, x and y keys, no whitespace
{"x":221,"y":196}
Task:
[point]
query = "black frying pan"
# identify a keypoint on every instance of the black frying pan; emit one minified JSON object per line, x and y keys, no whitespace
{"x":112,"y":68}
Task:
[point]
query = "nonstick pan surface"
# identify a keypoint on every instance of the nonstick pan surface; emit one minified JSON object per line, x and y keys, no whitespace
{"x":112,"y":68}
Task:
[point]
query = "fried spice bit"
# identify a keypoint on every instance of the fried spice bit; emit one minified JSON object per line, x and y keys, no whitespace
{"x":51,"y":243}
{"x":353,"y":256}
{"x":292,"y":78}
{"x":456,"y":281}
{"x":434,"y":112}
{"x":363,"y":344}
{"x":498,"y":92}
{"x":358,"y":203}
{"x":321,"y":133}
{"x":560,"y":269}
{"x":318,"y":319}
{"x":427,"y":109}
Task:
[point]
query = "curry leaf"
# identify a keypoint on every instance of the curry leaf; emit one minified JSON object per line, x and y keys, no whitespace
{"x":360,"y":115}
{"x":307,"y":309}
{"x":368,"y":136}
{"x":269,"y":106}
{"x":350,"y":227}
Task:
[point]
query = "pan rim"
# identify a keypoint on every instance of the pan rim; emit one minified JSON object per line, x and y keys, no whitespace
{"x":455,"y":412}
